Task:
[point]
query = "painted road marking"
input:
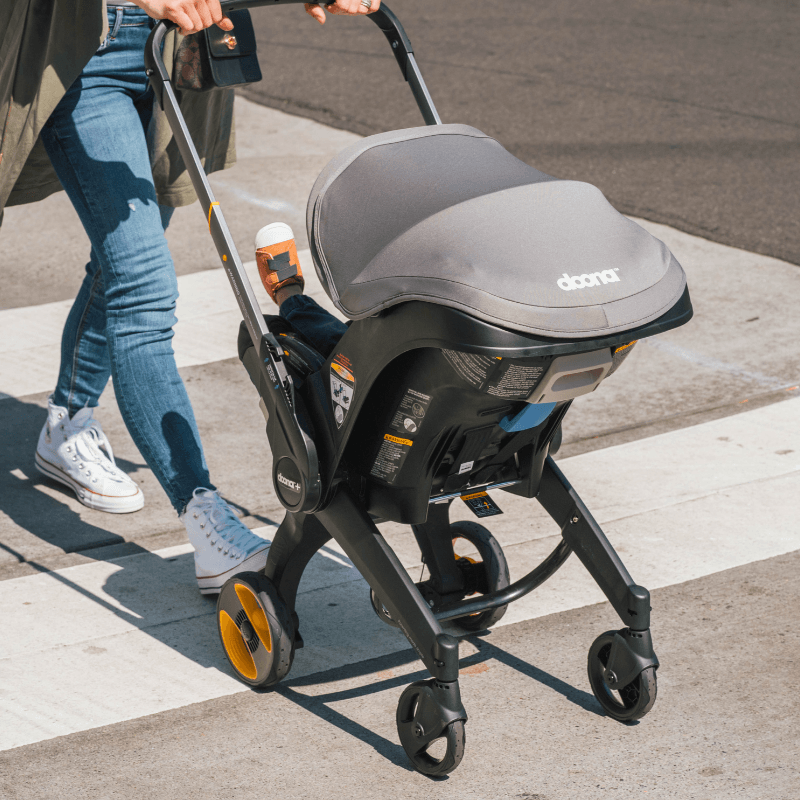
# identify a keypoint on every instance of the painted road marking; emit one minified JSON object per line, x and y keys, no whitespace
{"x":208,"y":322}
{"x":100,"y":643}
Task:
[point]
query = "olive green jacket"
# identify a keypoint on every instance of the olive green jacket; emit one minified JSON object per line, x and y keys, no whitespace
{"x":44,"y":46}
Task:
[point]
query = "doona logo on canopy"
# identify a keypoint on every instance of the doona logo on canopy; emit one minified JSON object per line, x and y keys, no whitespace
{"x":586,"y":281}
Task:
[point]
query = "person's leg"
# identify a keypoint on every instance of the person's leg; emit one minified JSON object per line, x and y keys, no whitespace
{"x":97,"y":145}
{"x":85,"y":362}
{"x":96,"y":141}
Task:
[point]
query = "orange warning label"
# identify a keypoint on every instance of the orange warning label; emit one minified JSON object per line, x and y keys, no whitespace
{"x":344,"y":372}
{"x":466,"y":497}
{"x":390,"y":457}
{"x":397,"y":439}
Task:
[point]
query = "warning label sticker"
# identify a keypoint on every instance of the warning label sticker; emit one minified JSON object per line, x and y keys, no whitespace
{"x":505,"y":378}
{"x":390,"y":458}
{"x":514,"y":381}
{"x":343,"y":387}
{"x":475,"y":370}
{"x":481,"y":504}
{"x":410,"y":414}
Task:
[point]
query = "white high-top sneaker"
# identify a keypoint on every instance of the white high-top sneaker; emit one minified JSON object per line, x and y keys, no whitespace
{"x":71,"y":452}
{"x":223,"y":545}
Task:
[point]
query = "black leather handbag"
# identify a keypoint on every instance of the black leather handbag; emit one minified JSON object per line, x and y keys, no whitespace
{"x":217,"y":59}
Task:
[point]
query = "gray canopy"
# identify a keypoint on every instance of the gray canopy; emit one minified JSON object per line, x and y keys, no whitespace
{"x":445,"y":214}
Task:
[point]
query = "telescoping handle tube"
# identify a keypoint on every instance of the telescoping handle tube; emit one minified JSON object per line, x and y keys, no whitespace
{"x":294,"y":452}
{"x":292,"y":448}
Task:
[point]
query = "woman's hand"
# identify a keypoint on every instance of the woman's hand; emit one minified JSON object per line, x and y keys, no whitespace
{"x":190,"y":15}
{"x":342,"y":7}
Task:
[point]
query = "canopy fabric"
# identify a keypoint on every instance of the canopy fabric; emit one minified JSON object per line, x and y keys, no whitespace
{"x":446,"y":215}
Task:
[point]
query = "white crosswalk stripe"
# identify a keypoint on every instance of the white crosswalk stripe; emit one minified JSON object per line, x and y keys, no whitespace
{"x":99,"y":643}
{"x":208,"y":317}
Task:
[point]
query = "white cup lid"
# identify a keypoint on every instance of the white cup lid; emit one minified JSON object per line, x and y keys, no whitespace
{"x":273,"y":234}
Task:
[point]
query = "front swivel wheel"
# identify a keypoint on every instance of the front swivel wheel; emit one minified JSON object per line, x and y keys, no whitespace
{"x":626,"y":703}
{"x":430,"y":723}
{"x":256,"y":629}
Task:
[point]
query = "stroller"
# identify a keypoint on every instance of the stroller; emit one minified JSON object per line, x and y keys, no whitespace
{"x":484,"y":296}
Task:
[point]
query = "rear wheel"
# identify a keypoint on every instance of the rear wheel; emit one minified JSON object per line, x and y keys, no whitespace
{"x":256,"y":630}
{"x":485,"y":573}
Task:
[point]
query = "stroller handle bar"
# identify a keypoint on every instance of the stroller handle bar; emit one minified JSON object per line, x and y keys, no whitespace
{"x":291,"y":445}
{"x":384,"y":18}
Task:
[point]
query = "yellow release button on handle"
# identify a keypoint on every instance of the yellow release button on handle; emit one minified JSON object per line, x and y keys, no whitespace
{"x":214,"y":203}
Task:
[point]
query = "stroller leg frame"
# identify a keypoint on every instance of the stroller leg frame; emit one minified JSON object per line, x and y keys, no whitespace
{"x":296,"y":541}
{"x":587,"y":540}
{"x":300,"y":536}
{"x":359,"y":537}
{"x":631,"y":653}
{"x":428,"y":710}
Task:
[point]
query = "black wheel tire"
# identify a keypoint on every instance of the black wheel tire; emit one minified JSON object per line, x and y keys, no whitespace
{"x":496,"y":566}
{"x":454,"y":737}
{"x":255,"y":629}
{"x":632,"y":701}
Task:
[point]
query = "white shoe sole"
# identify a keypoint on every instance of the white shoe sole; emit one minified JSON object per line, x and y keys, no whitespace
{"x":212,"y":584}
{"x":99,"y":502}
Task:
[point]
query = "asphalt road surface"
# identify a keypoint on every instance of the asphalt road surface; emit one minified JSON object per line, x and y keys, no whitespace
{"x":682,"y":112}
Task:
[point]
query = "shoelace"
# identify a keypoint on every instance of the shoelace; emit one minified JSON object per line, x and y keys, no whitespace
{"x":220,"y":515}
{"x":90,"y":441}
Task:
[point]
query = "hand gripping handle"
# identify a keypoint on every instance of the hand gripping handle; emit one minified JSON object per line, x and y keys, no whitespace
{"x":384,"y":18}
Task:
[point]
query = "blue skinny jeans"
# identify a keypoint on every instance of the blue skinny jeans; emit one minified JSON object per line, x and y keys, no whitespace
{"x":121,"y":322}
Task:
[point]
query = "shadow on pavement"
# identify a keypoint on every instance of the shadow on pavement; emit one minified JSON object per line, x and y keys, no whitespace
{"x":136,"y":588}
{"x":48,"y":519}
{"x":487,"y":652}
{"x":319,"y":704}
{"x":160,"y":596}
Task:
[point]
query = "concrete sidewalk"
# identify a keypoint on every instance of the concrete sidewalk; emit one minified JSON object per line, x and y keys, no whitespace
{"x":724,"y":725}
{"x":737,"y":353}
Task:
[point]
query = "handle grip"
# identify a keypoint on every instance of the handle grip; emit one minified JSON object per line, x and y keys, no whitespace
{"x":384,"y":18}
